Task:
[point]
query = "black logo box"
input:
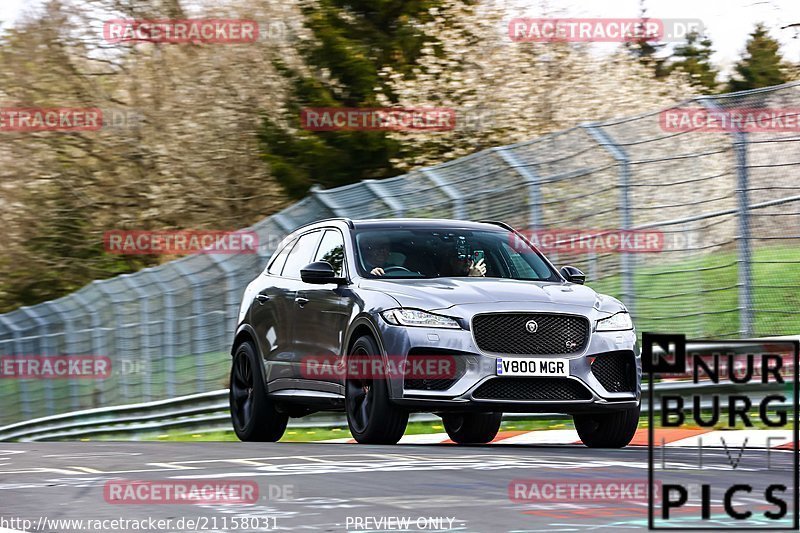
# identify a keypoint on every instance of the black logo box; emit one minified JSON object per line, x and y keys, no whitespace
{"x":662,"y":365}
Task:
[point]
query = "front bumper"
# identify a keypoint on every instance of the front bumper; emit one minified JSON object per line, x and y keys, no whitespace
{"x":584,"y":393}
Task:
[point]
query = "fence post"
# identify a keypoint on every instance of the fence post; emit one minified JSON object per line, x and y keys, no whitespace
{"x":318,"y":195}
{"x":116,"y":361}
{"x":145,"y":354}
{"x":168,"y":332}
{"x":232,"y":296}
{"x":745,"y":259}
{"x":376,"y":188}
{"x":97,"y":341}
{"x":69,"y":341}
{"x":621,"y":157}
{"x":534,"y":188}
{"x":44,"y":349}
{"x":459,"y":210}
{"x":196,"y":320}
{"x":24,"y":397}
{"x":744,"y":250}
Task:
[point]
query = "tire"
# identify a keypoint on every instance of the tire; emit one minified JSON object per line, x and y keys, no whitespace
{"x":253,"y":413}
{"x":371,"y":416}
{"x":472,"y":428}
{"x":607,"y":430}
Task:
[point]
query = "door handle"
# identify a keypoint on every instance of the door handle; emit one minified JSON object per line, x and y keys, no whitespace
{"x":262,"y":298}
{"x":301,"y":301}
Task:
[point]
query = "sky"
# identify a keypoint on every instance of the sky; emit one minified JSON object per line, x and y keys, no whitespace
{"x":728,"y":22}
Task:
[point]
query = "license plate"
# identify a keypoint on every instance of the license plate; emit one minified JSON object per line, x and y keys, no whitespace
{"x":529,"y":366}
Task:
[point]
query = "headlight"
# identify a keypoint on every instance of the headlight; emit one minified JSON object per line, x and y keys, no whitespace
{"x":618,"y":322}
{"x":415,"y":317}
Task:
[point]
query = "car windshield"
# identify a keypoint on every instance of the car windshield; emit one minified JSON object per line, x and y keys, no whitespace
{"x":437,"y":253}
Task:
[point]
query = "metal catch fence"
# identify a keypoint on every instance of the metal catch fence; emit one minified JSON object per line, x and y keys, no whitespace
{"x":723,"y":208}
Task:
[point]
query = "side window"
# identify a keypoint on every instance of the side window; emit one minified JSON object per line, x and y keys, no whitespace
{"x":280,"y":260}
{"x":331,"y":249}
{"x":301,"y":254}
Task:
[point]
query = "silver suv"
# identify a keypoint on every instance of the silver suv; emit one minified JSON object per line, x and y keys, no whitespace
{"x":380,"y":318}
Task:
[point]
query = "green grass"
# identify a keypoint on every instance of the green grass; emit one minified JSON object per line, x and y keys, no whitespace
{"x":296,"y":434}
{"x":698,"y":296}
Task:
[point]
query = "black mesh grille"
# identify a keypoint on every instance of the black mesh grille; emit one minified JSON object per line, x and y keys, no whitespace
{"x":429,"y":384}
{"x":436,"y":384}
{"x":507,"y":333}
{"x":615,"y":371}
{"x":532,"y":389}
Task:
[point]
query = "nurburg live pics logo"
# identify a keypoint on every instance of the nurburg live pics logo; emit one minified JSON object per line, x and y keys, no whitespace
{"x":748,"y":488}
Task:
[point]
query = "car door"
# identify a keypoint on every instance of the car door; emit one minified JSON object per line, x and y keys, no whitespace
{"x":268,"y":316}
{"x":322,"y":311}
{"x":301,"y":255}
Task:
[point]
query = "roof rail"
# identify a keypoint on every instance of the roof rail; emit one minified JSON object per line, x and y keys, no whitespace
{"x":498,"y":223}
{"x":346,"y":220}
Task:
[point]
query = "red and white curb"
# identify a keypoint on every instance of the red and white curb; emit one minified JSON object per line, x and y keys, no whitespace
{"x":677,"y":438}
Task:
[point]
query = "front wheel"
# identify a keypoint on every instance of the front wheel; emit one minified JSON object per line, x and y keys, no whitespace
{"x":608,"y":430}
{"x":472,"y":428}
{"x":371,"y":416}
{"x":253,"y":413}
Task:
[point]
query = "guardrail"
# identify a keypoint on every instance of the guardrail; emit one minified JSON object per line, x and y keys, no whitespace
{"x":209,"y":411}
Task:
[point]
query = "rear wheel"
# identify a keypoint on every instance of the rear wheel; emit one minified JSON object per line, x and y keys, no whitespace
{"x":253,"y":413}
{"x":371,"y":416}
{"x":472,"y":428}
{"x":608,"y":430}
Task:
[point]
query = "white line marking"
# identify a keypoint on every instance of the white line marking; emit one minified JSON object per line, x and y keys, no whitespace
{"x":87,"y":469}
{"x":424,"y":438}
{"x":552,"y":436}
{"x":173,"y":466}
{"x":248,"y":462}
{"x":91,"y":455}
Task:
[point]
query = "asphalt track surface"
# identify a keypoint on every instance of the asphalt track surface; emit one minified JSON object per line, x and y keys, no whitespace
{"x":327,"y":486}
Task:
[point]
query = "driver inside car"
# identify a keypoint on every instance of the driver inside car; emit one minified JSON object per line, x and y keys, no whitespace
{"x":376,"y":255}
{"x":377,"y":252}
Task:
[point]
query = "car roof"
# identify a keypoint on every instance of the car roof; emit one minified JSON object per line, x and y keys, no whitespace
{"x":422,"y":223}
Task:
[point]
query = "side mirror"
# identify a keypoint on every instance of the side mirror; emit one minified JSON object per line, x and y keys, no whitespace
{"x":319,"y":272}
{"x":573,"y":275}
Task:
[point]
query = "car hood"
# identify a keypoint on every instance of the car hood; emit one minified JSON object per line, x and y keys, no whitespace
{"x":441,"y":293}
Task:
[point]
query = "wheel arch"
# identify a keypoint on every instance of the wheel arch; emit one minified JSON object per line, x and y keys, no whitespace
{"x":361,"y":326}
{"x":246,"y":333}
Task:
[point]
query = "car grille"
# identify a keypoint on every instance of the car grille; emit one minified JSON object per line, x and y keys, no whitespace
{"x":615,"y":371}
{"x":532,"y":389}
{"x":438,"y":384}
{"x":506,"y":333}
{"x":429,"y":384}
